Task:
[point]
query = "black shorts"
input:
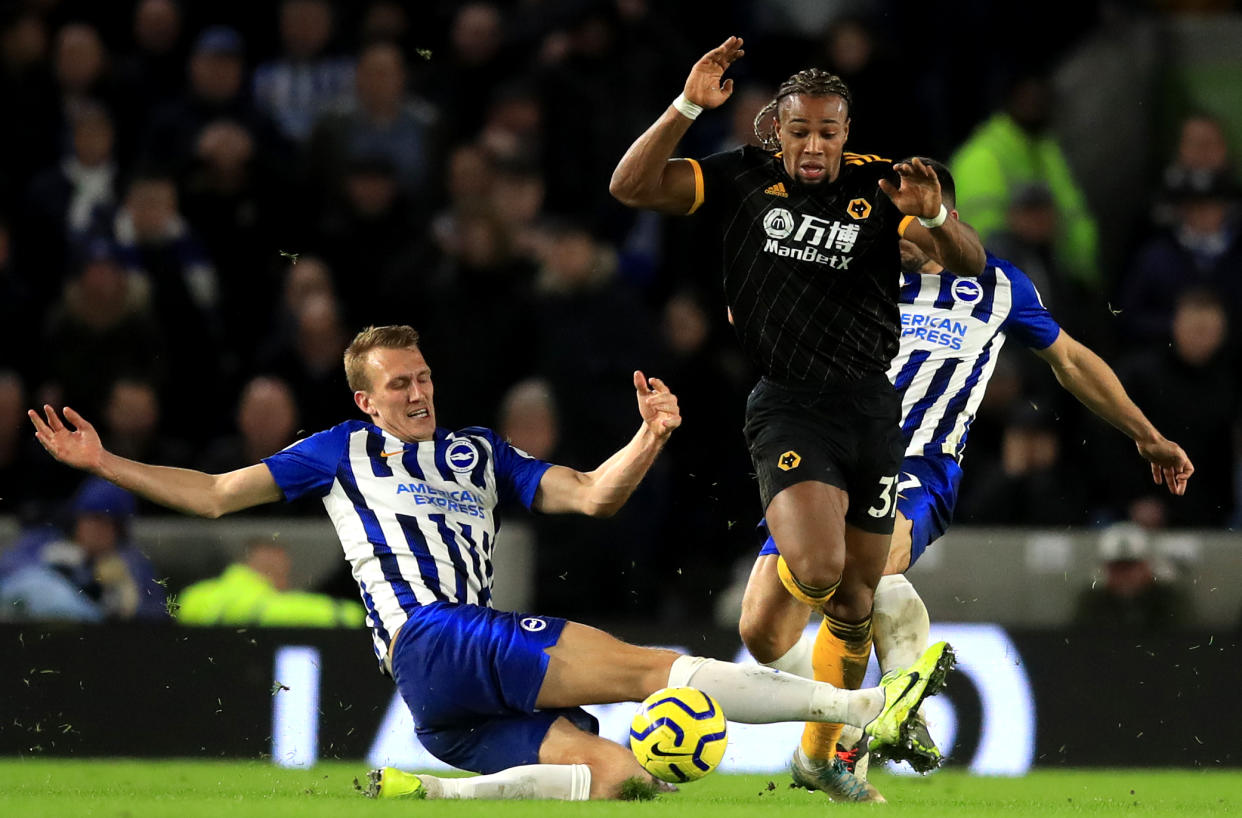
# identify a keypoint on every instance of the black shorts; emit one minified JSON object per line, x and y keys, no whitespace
{"x":848,"y":436}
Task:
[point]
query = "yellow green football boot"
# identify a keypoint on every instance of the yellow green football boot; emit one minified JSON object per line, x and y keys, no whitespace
{"x":899,"y":732}
{"x":389,"y":782}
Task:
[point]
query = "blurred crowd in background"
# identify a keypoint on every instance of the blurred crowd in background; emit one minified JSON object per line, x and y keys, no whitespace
{"x":201,"y":203}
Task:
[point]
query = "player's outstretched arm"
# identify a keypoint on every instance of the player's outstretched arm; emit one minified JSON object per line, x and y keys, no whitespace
{"x":194,"y":492}
{"x":602,"y":492}
{"x":952,"y":242}
{"x":647,"y":176}
{"x":1087,"y":377}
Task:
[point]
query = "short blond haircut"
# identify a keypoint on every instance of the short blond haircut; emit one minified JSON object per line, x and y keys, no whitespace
{"x":393,"y":336}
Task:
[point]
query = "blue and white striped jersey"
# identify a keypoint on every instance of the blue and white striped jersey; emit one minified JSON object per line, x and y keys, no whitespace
{"x":952,"y":330}
{"x":417,"y":520}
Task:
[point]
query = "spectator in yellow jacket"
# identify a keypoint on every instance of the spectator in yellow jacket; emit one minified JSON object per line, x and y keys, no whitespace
{"x":256,"y":592}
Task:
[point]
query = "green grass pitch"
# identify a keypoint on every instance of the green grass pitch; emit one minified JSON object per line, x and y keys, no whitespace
{"x":201,"y":789}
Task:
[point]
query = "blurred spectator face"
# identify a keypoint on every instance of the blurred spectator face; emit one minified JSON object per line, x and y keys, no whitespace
{"x":571,"y":256}
{"x":371,"y":193}
{"x":308,"y":277}
{"x":157,"y":26}
{"x":528,"y":418}
{"x":1030,"y":104}
{"x":92,"y":136}
{"x":385,"y":21}
{"x":272,"y":561}
{"x":5,"y":245}
{"x":216,"y":76}
{"x":745,"y":106}
{"x":1203,"y":216}
{"x":849,"y":46}
{"x":1034,"y":224}
{"x":1203,"y":145}
{"x":267,"y":416}
{"x":480,"y":241}
{"x":685,"y":325}
{"x":96,"y":534}
{"x":12,"y":408}
{"x":476,"y":33}
{"x":469,"y":174}
{"x":103,"y":283}
{"x":79,"y":58}
{"x":133,"y":410}
{"x":381,"y":78}
{"x":225,"y":146}
{"x":1128,"y":578}
{"x":321,"y":339}
{"x":513,"y":124}
{"x":305,"y":27}
{"x":24,"y":42}
{"x":1199,"y":330}
{"x":1027,"y":449}
{"x":152,"y":204}
{"x":517,"y":197}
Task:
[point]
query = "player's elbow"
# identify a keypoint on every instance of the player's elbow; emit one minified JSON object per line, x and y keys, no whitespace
{"x":624,"y":190}
{"x":601,"y":510}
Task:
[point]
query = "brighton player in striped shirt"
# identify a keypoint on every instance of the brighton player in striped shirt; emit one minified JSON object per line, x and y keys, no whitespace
{"x":952,"y":332}
{"x":414,"y":506}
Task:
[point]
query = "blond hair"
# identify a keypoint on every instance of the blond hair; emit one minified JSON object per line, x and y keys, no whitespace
{"x":393,"y":336}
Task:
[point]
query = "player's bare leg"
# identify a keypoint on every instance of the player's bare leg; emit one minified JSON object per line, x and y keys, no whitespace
{"x":773,"y":622}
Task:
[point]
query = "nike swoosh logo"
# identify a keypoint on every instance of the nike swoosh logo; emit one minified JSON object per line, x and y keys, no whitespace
{"x":391,"y":454}
{"x":914,"y":679}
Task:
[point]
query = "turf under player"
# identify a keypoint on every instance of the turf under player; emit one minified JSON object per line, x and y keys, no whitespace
{"x":810,"y":244}
{"x":414,"y":507}
{"x":952,"y":333}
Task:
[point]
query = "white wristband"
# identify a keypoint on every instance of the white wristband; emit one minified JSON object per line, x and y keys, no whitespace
{"x":938,"y":220}
{"x":687,"y":108}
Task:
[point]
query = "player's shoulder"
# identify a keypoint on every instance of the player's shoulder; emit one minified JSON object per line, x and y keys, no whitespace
{"x":865,"y":169}
{"x":482,"y":432}
{"x":1005,"y":273}
{"x":337,"y":435}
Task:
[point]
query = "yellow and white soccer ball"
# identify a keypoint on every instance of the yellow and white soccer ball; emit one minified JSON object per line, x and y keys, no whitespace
{"x":679,"y":734}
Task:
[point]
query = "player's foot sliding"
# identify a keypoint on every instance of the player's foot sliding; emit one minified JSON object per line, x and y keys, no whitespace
{"x":562,"y":782}
{"x":833,"y":778}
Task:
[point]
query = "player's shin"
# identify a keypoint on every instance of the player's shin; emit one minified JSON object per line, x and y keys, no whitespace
{"x":757,"y":695}
{"x":902,"y":626}
{"x":840,"y":658}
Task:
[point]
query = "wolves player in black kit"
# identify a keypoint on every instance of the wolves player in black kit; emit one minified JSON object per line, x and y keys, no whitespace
{"x":810,"y":245}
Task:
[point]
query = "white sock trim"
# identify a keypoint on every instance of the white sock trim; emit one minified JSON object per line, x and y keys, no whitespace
{"x":683,"y":670}
{"x":797,"y":660}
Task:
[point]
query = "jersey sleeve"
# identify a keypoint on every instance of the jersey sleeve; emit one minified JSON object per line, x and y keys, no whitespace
{"x":308,"y":467}
{"x":517,"y":473}
{"x":711,"y":176}
{"x":1028,"y":321}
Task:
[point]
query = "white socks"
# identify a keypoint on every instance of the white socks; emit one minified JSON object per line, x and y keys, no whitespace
{"x":759,"y":695}
{"x":562,"y":782}
{"x":901,"y":630}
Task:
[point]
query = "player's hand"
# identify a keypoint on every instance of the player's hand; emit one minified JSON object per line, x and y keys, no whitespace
{"x":703,"y":86}
{"x":79,"y":447}
{"x":1169,"y":464}
{"x":657,"y":405}
{"x":919,"y":192}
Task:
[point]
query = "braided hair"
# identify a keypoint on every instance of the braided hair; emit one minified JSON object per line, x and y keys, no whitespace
{"x":814,"y":82}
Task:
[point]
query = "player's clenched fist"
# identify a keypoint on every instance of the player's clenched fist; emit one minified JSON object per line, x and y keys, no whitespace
{"x":657,"y":405}
{"x":703,"y":86}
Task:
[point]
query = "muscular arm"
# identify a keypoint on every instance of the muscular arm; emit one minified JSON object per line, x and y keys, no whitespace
{"x":954,"y":244}
{"x":1087,"y":377}
{"x":194,"y":492}
{"x":602,"y":492}
{"x":647,"y":176}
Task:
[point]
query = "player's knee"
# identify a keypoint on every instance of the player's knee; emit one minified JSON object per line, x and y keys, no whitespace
{"x":815,"y":571}
{"x":765,"y":640}
{"x":650,"y":672}
{"x":897,"y":596}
